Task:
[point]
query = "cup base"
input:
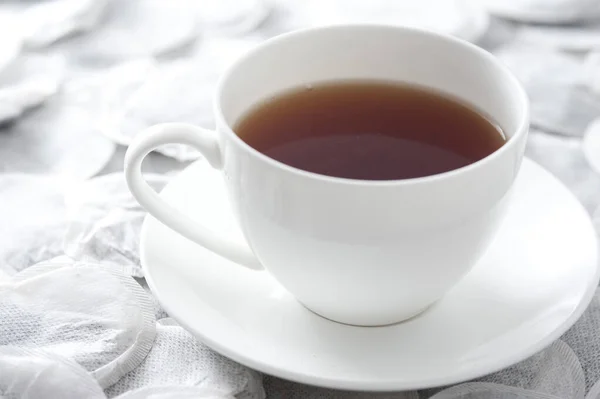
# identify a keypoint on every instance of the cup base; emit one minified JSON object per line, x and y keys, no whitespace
{"x":373,"y":321}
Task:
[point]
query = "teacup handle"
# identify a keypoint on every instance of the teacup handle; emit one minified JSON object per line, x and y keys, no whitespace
{"x":207,"y":143}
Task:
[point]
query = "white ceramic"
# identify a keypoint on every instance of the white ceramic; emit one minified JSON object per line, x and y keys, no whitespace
{"x":357,"y":252}
{"x":532,"y":284}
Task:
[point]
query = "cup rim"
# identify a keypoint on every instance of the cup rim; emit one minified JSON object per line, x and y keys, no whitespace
{"x":513,"y":141}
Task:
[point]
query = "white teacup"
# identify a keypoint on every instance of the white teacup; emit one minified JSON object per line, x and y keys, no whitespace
{"x":357,"y":252}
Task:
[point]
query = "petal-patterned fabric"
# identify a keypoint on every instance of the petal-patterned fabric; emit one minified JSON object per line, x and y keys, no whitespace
{"x":96,"y":316}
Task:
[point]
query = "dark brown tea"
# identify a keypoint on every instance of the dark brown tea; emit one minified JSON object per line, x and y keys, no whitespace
{"x":369,"y":131}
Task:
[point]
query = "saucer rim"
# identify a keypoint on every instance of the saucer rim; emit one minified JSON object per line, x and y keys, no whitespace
{"x":499,"y":363}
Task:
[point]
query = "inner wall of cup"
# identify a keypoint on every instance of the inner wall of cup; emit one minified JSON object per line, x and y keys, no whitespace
{"x":374,"y":52}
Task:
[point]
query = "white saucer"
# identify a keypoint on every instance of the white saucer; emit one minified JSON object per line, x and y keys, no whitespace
{"x":530,"y":287}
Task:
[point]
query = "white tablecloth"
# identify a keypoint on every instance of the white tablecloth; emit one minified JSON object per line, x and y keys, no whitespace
{"x":79,"y":78}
